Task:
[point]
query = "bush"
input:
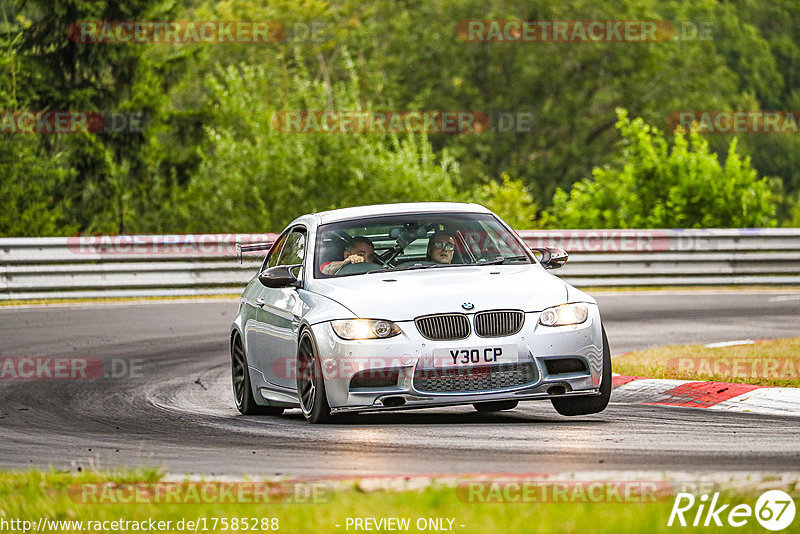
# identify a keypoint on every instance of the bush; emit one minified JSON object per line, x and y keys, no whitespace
{"x":685,"y":187}
{"x":510,"y":200}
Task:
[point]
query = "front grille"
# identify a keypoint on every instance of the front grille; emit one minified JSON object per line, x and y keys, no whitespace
{"x":498,"y":323}
{"x":444,"y":326}
{"x":479,"y":378}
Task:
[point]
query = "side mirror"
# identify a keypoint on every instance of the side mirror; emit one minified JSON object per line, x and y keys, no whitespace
{"x":552,"y":257}
{"x":278,"y":276}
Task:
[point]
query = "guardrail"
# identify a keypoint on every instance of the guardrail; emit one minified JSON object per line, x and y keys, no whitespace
{"x":123,"y":266}
{"x":676,"y":257}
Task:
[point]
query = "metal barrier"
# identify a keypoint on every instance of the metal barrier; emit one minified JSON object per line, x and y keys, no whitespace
{"x":748,"y":256}
{"x":123,"y":266}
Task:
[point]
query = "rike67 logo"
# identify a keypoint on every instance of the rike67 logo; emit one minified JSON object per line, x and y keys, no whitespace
{"x":774,"y":510}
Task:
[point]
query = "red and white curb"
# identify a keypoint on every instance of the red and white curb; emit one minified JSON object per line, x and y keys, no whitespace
{"x":711,"y":395}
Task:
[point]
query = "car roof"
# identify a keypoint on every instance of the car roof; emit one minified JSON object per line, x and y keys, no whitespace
{"x":344,"y":214}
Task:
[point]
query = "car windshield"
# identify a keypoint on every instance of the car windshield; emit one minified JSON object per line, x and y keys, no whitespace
{"x":415,"y":241}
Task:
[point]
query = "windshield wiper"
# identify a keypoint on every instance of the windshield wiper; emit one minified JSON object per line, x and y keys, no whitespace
{"x":381,"y":270}
{"x":416,"y":267}
{"x":500,"y":259}
{"x":394,"y":269}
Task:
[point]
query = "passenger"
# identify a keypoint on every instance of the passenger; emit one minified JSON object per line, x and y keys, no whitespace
{"x":359,"y":250}
{"x":441,"y":247}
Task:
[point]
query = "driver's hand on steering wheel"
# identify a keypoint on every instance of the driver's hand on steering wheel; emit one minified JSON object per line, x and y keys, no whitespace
{"x":354,"y":258}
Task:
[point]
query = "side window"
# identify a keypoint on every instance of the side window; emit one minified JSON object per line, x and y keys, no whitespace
{"x":294,"y":249}
{"x":272,"y":258}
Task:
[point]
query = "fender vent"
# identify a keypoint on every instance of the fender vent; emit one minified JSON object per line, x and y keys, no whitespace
{"x":375,"y":378}
{"x":562,"y":366}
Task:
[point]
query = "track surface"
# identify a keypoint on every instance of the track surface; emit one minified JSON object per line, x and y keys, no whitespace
{"x":172,"y":407}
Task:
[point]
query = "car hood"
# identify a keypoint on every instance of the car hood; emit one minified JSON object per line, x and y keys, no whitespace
{"x":404,"y":295}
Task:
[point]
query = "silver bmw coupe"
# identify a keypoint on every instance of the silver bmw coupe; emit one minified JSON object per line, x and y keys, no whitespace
{"x":404,"y":306}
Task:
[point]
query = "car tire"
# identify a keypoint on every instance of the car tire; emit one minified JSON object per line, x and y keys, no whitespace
{"x":594,"y":404}
{"x":495,"y":406}
{"x":310,"y":382}
{"x":242,"y":390}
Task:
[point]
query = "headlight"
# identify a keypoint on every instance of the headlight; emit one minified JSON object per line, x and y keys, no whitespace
{"x":564,"y":315}
{"x":364,"y":329}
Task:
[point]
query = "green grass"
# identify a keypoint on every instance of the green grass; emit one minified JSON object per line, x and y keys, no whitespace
{"x":768,"y":363}
{"x":33,"y":494}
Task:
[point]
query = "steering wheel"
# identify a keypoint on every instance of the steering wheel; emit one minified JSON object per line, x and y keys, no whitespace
{"x":358,"y":268}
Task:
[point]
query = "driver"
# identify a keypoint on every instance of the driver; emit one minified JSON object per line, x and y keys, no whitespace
{"x":441,"y":247}
{"x":359,"y":250}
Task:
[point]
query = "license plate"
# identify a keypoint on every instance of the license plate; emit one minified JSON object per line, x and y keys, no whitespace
{"x":471,"y":356}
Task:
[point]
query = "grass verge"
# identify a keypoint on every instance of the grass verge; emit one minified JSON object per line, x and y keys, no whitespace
{"x":32,"y":495}
{"x":766,"y":363}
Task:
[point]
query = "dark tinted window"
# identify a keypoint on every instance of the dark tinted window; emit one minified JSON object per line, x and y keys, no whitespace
{"x":410,"y":241}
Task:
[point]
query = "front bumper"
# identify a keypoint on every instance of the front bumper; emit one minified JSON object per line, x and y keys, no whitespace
{"x":410,"y":352}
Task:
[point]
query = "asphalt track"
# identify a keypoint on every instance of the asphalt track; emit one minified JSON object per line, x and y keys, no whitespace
{"x":169,"y":404}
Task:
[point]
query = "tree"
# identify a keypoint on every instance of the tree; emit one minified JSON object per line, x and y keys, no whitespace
{"x":60,"y":73}
{"x":571,"y":88}
{"x":31,"y":177}
{"x":255,"y":177}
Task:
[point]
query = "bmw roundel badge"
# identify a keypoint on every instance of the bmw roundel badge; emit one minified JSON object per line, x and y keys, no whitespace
{"x":468,"y":305}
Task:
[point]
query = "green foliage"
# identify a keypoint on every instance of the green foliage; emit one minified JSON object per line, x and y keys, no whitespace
{"x":210,"y":159}
{"x":62,"y":183}
{"x":30,"y":176}
{"x":572,"y":88}
{"x":106,"y":498}
{"x":29,"y":188}
{"x":255,"y":177}
{"x":794,"y":216}
{"x":684,"y":186}
{"x":509,"y":199}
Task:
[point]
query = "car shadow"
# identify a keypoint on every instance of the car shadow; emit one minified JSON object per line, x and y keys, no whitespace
{"x":423,"y":417}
